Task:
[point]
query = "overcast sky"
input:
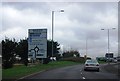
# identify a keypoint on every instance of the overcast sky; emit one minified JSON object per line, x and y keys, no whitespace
{"x":81,"y":21}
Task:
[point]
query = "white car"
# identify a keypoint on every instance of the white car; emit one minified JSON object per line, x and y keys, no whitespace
{"x":115,"y":60}
{"x":91,"y":65}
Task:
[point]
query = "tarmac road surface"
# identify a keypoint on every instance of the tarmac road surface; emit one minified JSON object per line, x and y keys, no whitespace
{"x":75,"y":72}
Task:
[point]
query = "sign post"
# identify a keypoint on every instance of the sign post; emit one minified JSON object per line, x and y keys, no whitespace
{"x":37,"y":43}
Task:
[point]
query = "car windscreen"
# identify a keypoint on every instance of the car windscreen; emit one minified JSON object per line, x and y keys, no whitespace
{"x":91,"y":61}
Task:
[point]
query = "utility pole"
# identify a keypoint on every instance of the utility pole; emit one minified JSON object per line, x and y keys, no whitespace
{"x":53,"y":30}
{"x":108,"y":30}
{"x":86,"y":48}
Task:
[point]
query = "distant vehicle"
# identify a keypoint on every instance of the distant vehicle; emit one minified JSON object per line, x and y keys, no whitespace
{"x":115,"y":60}
{"x":91,"y":65}
{"x":118,"y":58}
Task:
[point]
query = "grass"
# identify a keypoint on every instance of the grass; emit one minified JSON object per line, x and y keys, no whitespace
{"x":102,"y":62}
{"x":21,"y":70}
{"x":0,"y":73}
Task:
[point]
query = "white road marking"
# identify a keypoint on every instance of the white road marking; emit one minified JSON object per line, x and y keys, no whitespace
{"x":83,"y":77}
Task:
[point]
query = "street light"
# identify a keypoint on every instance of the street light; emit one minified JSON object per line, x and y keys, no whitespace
{"x":53,"y":28}
{"x":86,"y":47}
{"x":108,"y":37}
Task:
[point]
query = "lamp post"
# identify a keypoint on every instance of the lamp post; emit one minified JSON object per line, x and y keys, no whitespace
{"x":86,"y":47}
{"x":108,"y":30}
{"x":53,"y":29}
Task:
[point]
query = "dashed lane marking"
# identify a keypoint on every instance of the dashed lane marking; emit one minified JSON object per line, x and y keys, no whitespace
{"x":83,"y":77}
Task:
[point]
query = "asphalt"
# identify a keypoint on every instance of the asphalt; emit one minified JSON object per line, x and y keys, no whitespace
{"x":71,"y":72}
{"x":77,"y":72}
{"x":113,"y":68}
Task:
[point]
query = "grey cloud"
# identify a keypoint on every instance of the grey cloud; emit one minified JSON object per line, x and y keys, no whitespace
{"x":87,"y":12}
{"x":71,"y":28}
{"x":41,"y":7}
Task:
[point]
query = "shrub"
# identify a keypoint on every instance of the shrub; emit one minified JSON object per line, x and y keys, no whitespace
{"x":74,"y":59}
{"x":46,"y":60}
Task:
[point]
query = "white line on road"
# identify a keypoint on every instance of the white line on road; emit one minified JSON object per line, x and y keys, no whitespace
{"x":29,"y":75}
{"x":83,"y":77}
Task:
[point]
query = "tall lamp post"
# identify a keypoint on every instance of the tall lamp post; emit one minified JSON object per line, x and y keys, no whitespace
{"x":108,"y":30}
{"x":53,"y":29}
{"x":86,"y":47}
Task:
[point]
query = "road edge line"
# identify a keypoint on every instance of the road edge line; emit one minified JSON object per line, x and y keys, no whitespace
{"x":30,"y":75}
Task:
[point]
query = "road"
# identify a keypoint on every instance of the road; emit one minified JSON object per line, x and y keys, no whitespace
{"x":75,"y":72}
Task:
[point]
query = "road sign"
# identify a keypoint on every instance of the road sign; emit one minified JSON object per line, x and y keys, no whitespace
{"x":109,"y":55}
{"x":37,"y":43}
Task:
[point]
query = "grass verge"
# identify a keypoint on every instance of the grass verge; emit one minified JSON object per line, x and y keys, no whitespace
{"x":102,"y":62}
{"x":21,"y":70}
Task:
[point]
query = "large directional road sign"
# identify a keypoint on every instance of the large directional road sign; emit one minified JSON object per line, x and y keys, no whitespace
{"x":37,"y":43}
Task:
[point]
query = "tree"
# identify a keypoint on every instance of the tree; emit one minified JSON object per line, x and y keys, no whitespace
{"x":8,"y":52}
{"x":22,"y":50}
{"x":11,"y":49}
{"x":71,"y":53}
{"x":55,"y":49}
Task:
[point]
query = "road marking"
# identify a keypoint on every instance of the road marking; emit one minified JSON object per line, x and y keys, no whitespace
{"x":30,"y":75}
{"x":83,"y":77}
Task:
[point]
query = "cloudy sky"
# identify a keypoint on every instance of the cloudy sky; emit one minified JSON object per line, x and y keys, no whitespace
{"x":81,"y":21}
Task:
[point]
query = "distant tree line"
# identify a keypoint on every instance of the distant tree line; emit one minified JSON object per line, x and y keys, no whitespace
{"x":12,"y":49}
{"x":71,"y":53}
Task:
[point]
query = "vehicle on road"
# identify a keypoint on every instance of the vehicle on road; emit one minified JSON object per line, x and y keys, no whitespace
{"x":115,"y":60}
{"x":91,"y":65}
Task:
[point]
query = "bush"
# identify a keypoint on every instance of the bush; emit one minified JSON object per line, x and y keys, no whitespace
{"x":7,"y":64}
{"x":46,"y":60}
{"x":26,"y":62}
{"x":74,"y":59}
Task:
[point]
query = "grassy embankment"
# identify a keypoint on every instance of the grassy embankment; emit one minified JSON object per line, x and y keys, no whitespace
{"x":102,"y":62}
{"x":21,"y":70}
